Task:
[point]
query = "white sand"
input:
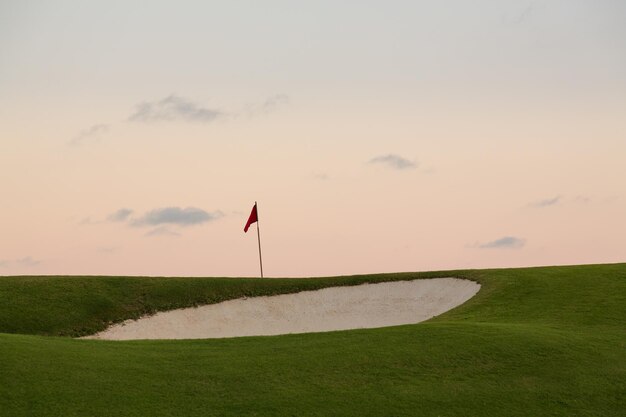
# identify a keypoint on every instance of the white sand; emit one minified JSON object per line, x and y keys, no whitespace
{"x":336,"y":308}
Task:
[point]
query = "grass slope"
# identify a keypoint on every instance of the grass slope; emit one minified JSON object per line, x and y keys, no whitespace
{"x":536,"y":341}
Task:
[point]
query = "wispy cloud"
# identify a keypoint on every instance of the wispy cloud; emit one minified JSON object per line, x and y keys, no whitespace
{"x":93,"y":134}
{"x":276,"y":101}
{"x":270,"y":105}
{"x":88,"y":221}
{"x":546,"y":202}
{"x":162,"y":231}
{"x":27,"y":262}
{"x":320,"y":176}
{"x":520,"y":15}
{"x":107,"y":249}
{"x":506,"y":242}
{"x":560,"y":200}
{"x":120,"y":215}
{"x":524,"y":15}
{"x":176,"y":216}
{"x":173,"y":107}
{"x":157,"y":219}
{"x":394,"y":162}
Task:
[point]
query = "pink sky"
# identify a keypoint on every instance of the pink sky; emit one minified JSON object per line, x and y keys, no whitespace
{"x":375,"y":138}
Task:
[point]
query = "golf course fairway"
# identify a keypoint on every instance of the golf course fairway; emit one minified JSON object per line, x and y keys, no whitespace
{"x":532,"y":342}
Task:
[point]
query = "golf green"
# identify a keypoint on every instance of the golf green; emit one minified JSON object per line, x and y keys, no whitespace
{"x":533,"y":341}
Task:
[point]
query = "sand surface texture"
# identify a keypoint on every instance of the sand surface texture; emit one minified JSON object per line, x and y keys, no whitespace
{"x":336,"y":308}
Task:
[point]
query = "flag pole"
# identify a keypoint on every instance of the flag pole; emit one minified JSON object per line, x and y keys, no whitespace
{"x":258,"y":233}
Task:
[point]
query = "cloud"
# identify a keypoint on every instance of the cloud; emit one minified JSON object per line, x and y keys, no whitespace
{"x":270,"y":105}
{"x":107,"y":249}
{"x":561,"y":200}
{"x":171,"y":108}
{"x":506,"y":242}
{"x":275,"y":101}
{"x":520,"y":15}
{"x":320,"y":176}
{"x":162,"y":231}
{"x":546,"y":202}
{"x":26,"y":261}
{"x":524,"y":15}
{"x":393,"y":161}
{"x":120,"y":215}
{"x":89,"y":221}
{"x":93,"y":134}
{"x":177,"y":216}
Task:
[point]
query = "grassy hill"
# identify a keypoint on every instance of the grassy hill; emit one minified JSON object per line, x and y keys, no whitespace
{"x":534,"y":341}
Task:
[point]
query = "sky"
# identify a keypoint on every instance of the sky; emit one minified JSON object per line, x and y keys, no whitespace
{"x":376,"y":136}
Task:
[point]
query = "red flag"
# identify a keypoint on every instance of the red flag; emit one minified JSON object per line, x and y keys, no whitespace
{"x":253,"y":218}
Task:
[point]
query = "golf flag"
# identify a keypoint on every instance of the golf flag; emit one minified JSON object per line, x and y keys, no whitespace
{"x":252,"y":219}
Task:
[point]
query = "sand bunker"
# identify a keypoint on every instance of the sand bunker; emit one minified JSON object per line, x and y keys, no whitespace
{"x":336,"y":308}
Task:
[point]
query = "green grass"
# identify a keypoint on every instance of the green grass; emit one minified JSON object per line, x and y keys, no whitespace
{"x":536,"y":341}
